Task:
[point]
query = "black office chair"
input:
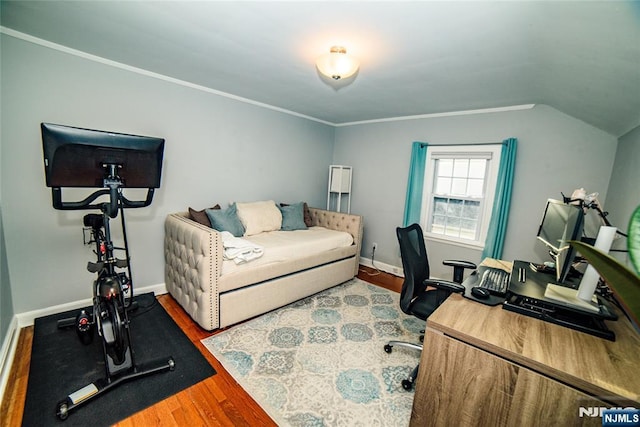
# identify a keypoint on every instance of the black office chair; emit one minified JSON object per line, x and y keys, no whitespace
{"x":415,"y":298}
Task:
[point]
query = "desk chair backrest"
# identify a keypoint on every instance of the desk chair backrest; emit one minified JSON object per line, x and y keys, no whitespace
{"x":414,"y":262}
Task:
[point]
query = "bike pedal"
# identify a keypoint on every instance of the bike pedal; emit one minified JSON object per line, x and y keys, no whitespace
{"x":84,"y":327}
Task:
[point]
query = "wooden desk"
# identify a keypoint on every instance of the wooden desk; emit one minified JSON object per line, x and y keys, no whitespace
{"x":484,"y":365}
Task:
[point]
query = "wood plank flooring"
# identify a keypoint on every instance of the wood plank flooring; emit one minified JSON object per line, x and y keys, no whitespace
{"x":216,"y":401}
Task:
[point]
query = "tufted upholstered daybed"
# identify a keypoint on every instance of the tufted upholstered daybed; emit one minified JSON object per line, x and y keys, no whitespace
{"x":217,"y":295}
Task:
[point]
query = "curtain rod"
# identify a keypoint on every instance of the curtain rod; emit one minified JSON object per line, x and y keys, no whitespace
{"x":460,"y":144}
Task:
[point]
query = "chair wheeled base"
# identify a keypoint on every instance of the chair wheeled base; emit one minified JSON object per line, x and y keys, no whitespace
{"x":407,"y":383}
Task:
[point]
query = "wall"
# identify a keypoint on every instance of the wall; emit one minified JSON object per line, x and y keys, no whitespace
{"x":217,"y":150}
{"x":556,"y":153}
{"x":624,"y":193}
{"x":245,"y":152}
{"x":6,"y":301}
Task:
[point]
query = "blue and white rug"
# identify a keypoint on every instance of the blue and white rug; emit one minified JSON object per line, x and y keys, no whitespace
{"x":321,"y":360}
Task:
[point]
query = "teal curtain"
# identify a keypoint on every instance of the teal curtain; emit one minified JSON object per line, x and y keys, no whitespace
{"x":413,"y":201}
{"x":494,"y":243}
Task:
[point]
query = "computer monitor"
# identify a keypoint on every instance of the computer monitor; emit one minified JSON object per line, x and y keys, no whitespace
{"x":76,"y":157}
{"x":561,"y":223}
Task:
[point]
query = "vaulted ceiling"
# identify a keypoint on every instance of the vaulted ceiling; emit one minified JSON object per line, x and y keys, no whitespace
{"x":582,"y":58}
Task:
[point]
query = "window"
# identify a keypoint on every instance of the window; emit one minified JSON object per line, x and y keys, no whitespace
{"x":458,"y":194}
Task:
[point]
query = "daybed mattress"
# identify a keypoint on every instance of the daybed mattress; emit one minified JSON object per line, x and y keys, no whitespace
{"x":287,"y":251}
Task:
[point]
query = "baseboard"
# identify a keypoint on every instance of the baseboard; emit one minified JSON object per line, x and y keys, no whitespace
{"x":7,"y":354}
{"x":27,"y":319}
{"x":387,"y":268}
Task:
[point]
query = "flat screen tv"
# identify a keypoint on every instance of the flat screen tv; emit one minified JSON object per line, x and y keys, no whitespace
{"x":76,"y":157}
{"x":561,"y":223}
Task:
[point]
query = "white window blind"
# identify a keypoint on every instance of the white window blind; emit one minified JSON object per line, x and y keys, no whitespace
{"x":459,"y":189}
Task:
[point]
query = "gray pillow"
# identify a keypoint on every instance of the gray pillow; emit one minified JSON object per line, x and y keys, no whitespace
{"x":226,"y":220}
{"x":307,"y":213}
{"x":293,"y":217}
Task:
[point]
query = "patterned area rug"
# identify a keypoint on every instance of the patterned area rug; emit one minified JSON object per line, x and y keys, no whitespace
{"x":321,"y":361}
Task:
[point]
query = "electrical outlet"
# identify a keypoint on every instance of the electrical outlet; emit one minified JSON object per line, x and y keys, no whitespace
{"x":374,"y":246}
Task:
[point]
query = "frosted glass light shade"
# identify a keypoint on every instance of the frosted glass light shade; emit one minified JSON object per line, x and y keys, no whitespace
{"x":337,"y":64}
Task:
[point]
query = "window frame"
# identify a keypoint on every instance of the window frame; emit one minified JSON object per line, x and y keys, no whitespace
{"x":492,"y":152}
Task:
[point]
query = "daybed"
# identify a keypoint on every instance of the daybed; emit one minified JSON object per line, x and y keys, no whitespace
{"x":217,"y":293}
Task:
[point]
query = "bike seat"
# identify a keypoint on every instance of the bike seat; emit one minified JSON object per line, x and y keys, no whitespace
{"x":94,"y":221}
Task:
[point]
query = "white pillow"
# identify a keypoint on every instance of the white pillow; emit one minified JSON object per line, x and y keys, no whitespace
{"x":258,"y":217}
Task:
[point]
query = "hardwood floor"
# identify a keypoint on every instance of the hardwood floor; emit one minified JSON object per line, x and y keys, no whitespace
{"x":216,"y":401}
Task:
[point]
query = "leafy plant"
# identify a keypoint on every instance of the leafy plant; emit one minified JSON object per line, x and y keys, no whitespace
{"x":623,"y":281}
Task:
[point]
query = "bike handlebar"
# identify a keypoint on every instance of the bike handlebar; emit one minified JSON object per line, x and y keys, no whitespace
{"x":112,"y":186}
{"x":112,"y":205}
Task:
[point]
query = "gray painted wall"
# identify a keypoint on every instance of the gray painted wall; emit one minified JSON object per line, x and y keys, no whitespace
{"x":6,"y":300}
{"x":624,"y":190}
{"x":217,"y":150}
{"x":556,"y":153}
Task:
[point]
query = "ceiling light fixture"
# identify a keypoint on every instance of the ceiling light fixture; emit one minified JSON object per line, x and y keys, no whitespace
{"x":337,"y":64}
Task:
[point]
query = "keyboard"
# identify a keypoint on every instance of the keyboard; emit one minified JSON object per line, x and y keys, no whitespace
{"x":495,"y":281}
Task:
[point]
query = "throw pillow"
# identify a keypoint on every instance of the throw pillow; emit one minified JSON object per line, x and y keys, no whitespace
{"x":307,"y":213}
{"x":293,"y":217}
{"x":226,"y":220}
{"x":258,"y":217}
{"x":201,"y":216}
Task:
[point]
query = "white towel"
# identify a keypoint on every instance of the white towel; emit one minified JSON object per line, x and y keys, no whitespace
{"x":239,"y":250}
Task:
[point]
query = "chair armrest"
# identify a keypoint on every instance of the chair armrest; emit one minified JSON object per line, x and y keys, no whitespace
{"x":458,"y":268}
{"x":459,"y":263}
{"x":445,"y":285}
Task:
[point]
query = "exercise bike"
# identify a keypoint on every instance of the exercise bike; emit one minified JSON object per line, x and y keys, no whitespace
{"x":112,"y":295}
